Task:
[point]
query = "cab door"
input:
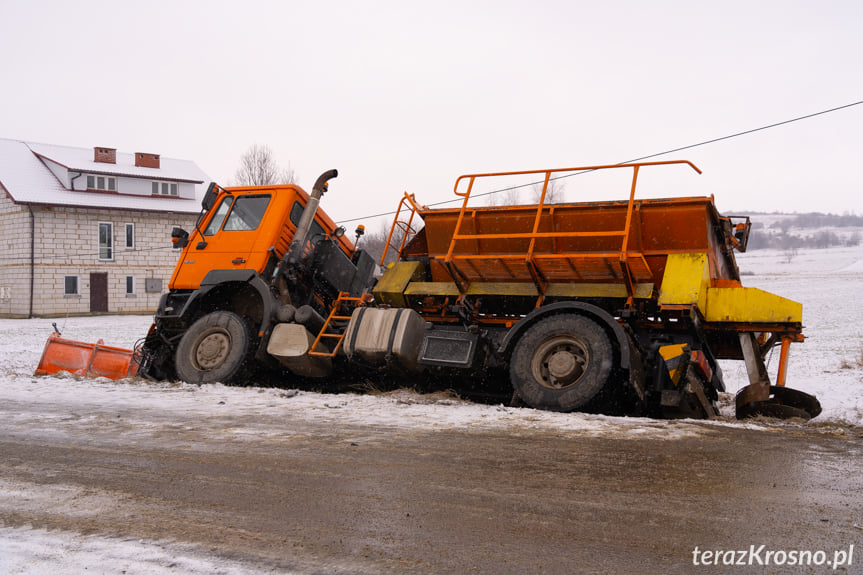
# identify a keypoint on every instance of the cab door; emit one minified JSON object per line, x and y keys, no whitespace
{"x":227,"y":239}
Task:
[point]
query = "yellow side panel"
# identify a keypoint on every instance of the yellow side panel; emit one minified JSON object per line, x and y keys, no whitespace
{"x":686,"y":280}
{"x":503,"y":288}
{"x":642,"y":290}
{"x":750,"y":305}
{"x":432,"y":288}
{"x":390,"y":288}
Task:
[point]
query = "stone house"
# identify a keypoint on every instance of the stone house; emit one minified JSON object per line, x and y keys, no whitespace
{"x":88,"y":231}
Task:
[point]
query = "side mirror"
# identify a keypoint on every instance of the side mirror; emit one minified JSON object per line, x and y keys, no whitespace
{"x":741,"y":226}
{"x":210,"y":197}
{"x":179,"y":237}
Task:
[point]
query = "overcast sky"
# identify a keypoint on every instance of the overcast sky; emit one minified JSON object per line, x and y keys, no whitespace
{"x":409,"y":95}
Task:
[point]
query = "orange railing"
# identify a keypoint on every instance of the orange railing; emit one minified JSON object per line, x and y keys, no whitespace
{"x":530,"y":258}
{"x":402,"y":228}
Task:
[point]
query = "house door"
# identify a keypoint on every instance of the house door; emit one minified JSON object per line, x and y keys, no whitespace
{"x":98,"y":292}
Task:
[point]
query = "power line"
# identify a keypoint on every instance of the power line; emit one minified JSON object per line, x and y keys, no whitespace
{"x":671,"y":151}
{"x":65,"y":256}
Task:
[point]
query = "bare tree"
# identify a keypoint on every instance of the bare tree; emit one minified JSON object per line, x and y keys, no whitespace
{"x":375,"y":243}
{"x":553,"y":192}
{"x":259,"y":168}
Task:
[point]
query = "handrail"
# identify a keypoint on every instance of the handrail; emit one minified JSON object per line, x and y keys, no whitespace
{"x":623,"y":255}
{"x":576,"y":169}
{"x":414,"y":207}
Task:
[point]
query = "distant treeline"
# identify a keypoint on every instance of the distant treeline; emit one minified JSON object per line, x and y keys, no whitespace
{"x":759,"y":240}
{"x":778,"y":236}
{"x":817,"y":220}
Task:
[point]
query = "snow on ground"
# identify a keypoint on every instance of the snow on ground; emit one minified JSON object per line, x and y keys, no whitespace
{"x":160,"y":403}
{"x":829,"y":365}
{"x":37,"y":551}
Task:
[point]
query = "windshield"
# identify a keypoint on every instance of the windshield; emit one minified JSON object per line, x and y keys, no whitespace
{"x":243,"y":214}
{"x":247,"y":213}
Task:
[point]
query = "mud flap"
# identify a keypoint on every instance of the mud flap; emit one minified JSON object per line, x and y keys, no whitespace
{"x":687,"y":371}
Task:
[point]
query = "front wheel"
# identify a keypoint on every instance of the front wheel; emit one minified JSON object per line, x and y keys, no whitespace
{"x":561,"y":363}
{"x":215,"y":348}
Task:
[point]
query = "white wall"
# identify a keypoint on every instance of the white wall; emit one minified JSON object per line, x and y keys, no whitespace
{"x":67,"y":244}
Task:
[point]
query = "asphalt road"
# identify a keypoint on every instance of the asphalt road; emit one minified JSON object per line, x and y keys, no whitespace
{"x":331,"y":498}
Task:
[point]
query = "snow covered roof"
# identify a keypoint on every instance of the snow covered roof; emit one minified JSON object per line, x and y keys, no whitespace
{"x":81,"y":160}
{"x":28,"y":181}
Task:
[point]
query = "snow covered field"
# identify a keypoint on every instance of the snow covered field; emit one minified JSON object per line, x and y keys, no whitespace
{"x":829,"y":365}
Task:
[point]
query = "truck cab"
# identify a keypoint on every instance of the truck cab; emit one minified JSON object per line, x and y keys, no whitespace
{"x":248,"y":228}
{"x":256,"y":254}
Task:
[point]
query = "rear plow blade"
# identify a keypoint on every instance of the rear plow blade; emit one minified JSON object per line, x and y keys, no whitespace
{"x":782,"y":403}
{"x":86,"y":359}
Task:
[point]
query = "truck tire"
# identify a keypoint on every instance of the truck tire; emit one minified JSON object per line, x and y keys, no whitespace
{"x":215,"y":348}
{"x":561,"y":363}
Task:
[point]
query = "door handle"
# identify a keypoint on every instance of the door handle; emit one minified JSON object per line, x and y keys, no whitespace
{"x":238,"y":261}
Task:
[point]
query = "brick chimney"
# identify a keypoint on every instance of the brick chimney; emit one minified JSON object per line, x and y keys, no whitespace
{"x":105,"y":155}
{"x":146,"y":160}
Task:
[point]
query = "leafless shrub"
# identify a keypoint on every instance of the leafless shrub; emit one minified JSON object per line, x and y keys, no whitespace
{"x":854,"y":363}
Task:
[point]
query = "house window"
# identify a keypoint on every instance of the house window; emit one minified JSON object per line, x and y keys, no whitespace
{"x":70,"y":285}
{"x":130,"y":285}
{"x":104,"y":183}
{"x":106,"y":241}
{"x":130,"y":236}
{"x":165,"y":189}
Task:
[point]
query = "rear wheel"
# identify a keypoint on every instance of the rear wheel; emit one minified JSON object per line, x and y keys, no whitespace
{"x":561,"y":363}
{"x":215,"y":348}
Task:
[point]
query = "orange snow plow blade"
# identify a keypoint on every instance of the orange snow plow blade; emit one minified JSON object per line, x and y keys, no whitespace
{"x":86,"y":359}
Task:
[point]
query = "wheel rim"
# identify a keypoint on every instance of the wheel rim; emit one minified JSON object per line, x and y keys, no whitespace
{"x":559,"y":362}
{"x":212,"y":349}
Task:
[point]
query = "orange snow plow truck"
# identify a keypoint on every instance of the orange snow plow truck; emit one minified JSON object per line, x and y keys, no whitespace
{"x":618,"y":307}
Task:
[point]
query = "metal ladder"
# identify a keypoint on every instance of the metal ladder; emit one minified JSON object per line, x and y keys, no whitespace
{"x":335,"y":315}
{"x":403,"y":225}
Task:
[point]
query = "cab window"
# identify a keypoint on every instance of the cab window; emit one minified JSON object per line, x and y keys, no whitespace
{"x":247,"y":213}
{"x":219,"y":216}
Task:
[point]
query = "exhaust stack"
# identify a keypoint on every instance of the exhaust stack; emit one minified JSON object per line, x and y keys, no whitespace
{"x":302,"y":233}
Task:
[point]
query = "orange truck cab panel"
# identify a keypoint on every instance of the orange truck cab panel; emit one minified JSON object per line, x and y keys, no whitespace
{"x":247,"y":228}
